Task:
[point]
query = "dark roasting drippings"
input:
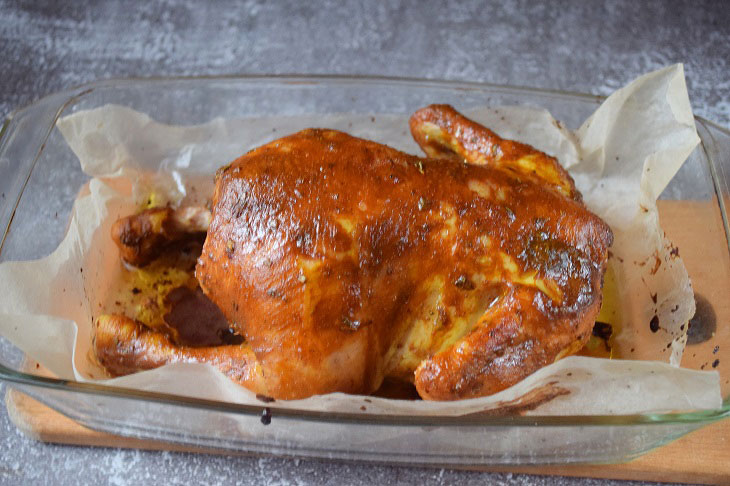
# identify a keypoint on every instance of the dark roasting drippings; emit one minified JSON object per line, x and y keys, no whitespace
{"x":602,"y":330}
{"x":196,"y":320}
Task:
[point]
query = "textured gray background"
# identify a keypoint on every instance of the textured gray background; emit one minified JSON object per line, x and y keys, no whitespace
{"x":570,"y":45}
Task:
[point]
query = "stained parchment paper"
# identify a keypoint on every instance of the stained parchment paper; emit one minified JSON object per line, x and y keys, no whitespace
{"x":622,"y":157}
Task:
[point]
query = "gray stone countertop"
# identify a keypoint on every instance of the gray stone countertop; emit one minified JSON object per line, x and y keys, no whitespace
{"x":592,"y":47}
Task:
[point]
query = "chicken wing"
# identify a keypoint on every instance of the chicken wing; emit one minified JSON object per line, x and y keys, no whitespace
{"x":442,"y":131}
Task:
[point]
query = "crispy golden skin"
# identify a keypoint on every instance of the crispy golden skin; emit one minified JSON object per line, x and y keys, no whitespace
{"x":342,"y":261}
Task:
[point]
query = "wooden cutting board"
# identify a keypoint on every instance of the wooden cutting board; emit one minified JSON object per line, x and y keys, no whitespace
{"x":702,"y":456}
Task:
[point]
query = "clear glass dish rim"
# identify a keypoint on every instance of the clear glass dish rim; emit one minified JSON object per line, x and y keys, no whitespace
{"x":72,"y":94}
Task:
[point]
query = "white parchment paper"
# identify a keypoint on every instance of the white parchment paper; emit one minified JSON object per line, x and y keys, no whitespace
{"x":622,"y":157}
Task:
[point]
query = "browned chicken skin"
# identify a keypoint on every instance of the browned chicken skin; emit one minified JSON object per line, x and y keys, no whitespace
{"x":342,"y":261}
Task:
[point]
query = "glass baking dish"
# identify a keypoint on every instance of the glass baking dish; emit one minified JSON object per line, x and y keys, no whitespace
{"x":41,"y":178}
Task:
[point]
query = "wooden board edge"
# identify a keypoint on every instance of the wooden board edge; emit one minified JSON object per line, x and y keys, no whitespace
{"x":42,"y":423}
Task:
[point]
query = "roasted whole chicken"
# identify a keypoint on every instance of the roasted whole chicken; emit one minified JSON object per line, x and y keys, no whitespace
{"x":341,"y":262}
